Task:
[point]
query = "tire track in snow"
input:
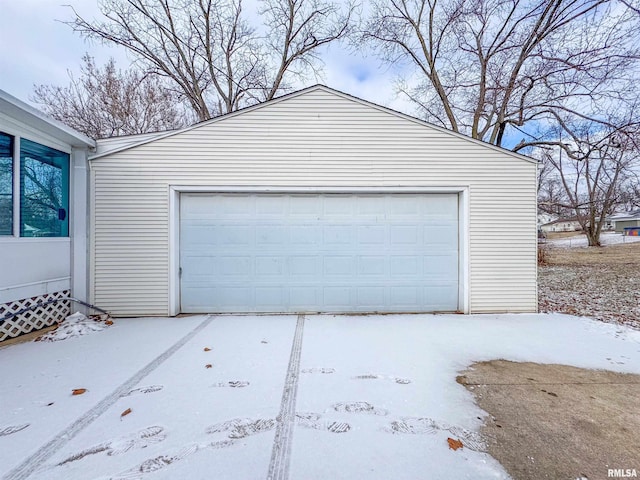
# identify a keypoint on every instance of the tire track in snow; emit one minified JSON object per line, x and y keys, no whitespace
{"x":31,"y":464}
{"x":281,"y":453}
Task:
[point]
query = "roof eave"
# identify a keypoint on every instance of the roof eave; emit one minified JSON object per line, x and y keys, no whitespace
{"x":27,"y":114}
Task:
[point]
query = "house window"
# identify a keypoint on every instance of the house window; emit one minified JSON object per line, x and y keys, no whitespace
{"x":44,"y":191}
{"x":6,"y":184}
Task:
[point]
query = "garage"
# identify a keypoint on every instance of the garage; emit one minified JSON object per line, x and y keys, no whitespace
{"x":318,"y":252}
{"x":316,"y":201}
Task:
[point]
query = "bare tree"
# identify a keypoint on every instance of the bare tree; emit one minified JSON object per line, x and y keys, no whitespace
{"x":631,"y":195}
{"x":106,"y":102}
{"x":595,"y":167}
{"x":491,"y":68}
{"x":552,"y":198}
{"x":214,"y":56}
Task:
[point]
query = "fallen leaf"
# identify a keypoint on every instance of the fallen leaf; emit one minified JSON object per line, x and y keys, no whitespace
{"x":78,"y":391}
{"x":454,"y":444}
{"x":207,"y":349}
{"x":208,"y":365}
{"x":109,"y":322}
{"x":125,"y":413}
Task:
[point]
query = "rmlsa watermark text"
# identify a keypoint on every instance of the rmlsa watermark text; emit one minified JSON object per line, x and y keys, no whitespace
{"x":622,"y":473}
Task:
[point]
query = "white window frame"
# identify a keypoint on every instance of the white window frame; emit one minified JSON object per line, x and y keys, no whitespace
{"x":34,"y":137}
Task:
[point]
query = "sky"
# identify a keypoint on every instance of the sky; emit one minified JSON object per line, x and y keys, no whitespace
{"x":36,"y":47}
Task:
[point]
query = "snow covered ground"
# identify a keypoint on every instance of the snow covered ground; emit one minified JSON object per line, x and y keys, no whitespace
{"x":606,"y":238}
{"x":340,"y":397}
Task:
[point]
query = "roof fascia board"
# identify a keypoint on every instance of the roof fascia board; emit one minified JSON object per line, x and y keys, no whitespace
{"x":27,"y":114}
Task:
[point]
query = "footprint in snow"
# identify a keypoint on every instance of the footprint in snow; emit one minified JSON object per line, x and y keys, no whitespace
{"x":147,"y":389}
{"x":428,"y":426}
{"x":375,"y":376}
{"x":242,"y":427}
{"x":232,"y":384}
{"x":11,"y":429}
{"x":154,"y":464}
{"x":140,"y":439}
{"x":359,"y":407}
{"x":315,"y":422}
{"x":318,"y":370}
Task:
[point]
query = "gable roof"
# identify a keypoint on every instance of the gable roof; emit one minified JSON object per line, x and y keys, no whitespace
{"x":25,"y":113}
{"x":305,"y":91}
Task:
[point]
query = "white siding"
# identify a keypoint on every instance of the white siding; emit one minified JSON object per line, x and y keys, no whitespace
{"x":321,"y":139}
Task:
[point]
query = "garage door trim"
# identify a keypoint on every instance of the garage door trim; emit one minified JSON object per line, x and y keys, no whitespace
{"x":174,"y":224}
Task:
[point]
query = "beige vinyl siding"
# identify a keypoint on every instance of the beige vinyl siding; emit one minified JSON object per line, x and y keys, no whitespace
{"x":319,"y":139}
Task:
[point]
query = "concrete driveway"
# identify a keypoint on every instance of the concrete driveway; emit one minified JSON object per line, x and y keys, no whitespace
{"x":275,"y":397}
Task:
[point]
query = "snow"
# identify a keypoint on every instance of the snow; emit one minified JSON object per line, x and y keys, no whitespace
{"x":376,"y":397}
{"x":606,"y":238}
{"x":75,"y":325}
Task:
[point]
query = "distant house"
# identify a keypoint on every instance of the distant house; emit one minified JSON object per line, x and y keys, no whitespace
{"x":628,"y":219}
{"x":43,"y":217}
{"x":545,"y":218}
{"x":562,"y":225}
{"x":572,"y":224}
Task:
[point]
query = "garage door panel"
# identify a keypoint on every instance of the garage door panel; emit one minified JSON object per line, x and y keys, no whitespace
{"x":338,"y":206}
{"x":439,"y":266}
{"x":404,"y":265}
{"x":337,"y":298}
{"x":232,"y":235}
{"x":439,"y":234}
{"x":269,"y":298}
{"x":438,"y":296}
{"x":318,"y":252}
{"x":275,"y":205}
{"x":337,"y":235}
{"x":372,"y":234}
{"x":405,"y":297}
{"x":405,"y":235}
{"x":270,"y":266}
{"x":304,"y":266}
{"x":305,"y":235}
{"x":371,"y":205}
{"x":300,"y":297}
{"x":373,"y":265}
{"x":373,"y":297}
{"x":338,"y":266}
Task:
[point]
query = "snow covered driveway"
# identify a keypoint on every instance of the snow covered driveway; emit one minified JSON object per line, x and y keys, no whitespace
{"x":239,"y":397}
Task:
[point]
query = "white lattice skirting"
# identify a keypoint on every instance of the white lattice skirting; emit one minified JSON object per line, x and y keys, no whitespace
{"x":39,"y":317}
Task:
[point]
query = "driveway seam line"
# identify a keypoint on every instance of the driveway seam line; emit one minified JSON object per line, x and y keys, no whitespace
{"x":281,"y":452}
{"x":31,"y":464}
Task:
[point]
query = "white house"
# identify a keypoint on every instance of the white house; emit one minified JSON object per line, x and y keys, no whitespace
{"x":43,"y":217}
{"x":562,"y":225}
{"x":313,"y":202}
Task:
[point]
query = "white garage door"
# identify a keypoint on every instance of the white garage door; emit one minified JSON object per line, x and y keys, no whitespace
{"x":318,"y":252}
